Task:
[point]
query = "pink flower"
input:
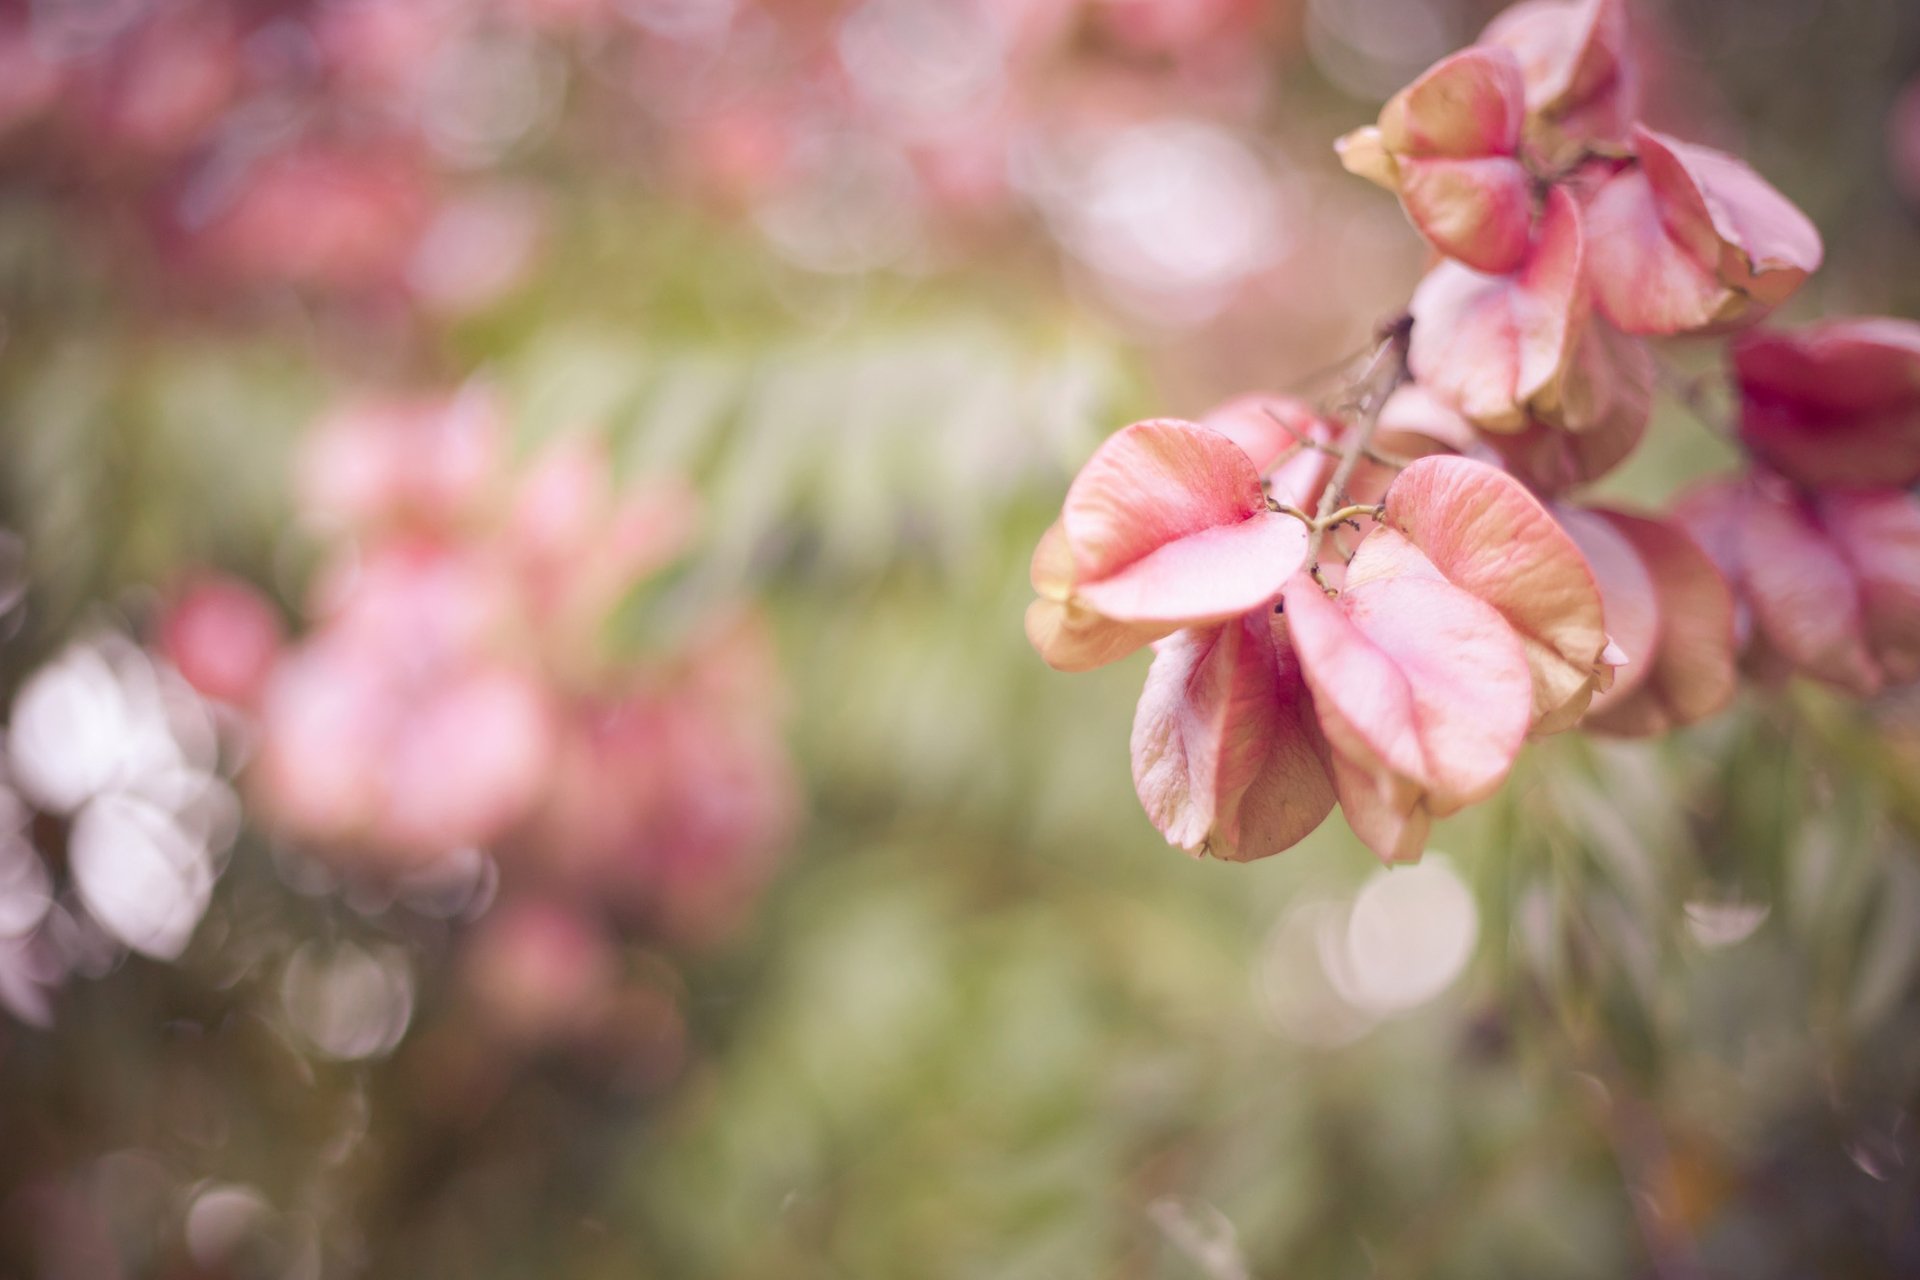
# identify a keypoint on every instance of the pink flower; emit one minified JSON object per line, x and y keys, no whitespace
{"x":223,"y":637}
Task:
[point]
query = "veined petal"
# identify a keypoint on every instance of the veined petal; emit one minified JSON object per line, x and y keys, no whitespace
{"x":1488,"y":536}
{"x":1879,"y":535}
{"x":1691,"y":239}
{"x":1805,"y":600}
{"x":1693,"y":672}
{"x":1835,"y":404}
{"x":1494,"y":346}
{"x":1416,"y":682}
{"x":1227,"y":755}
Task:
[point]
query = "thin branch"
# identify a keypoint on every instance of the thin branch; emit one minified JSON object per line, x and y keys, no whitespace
{"x":1384,"y":373}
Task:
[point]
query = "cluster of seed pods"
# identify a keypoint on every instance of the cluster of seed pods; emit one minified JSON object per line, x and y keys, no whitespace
{"x":1377,"y":604}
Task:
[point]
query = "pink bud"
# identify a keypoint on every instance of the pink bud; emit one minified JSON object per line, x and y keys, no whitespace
{"x":1165,"y":527}
{"x":1227,"y":755}
{"x":1692,"y":239}
{"x":1836,"y":404}
{"x":223,"y":637}
{"x":1878,"y":534}
{"x":1483,"y":532}
{"x":1496,"y":347}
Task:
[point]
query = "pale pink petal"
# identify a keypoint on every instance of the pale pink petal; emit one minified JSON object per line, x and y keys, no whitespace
{"x":1494,"y":540}
{"x":1414,"y":678}
{"x":1386,"y":812}
{"x":1267,"y":426}
{"x":1628,"y":600}
{"x":1151,"y":484}
{"x":1494,"y":347}
{"x":1166,"y":526}
{"x":1581,"y":84}
{"x":1213,"y":574}
{"x":1691,"y":239}
{"x":1227,"y":756}
{"x":1693,"y":672}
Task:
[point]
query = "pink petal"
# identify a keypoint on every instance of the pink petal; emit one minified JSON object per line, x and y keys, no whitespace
{"x":223,"y":637}
{"x":1207,"y":576}
{"x":1494,"y":346}
{"x":1493,"y":539}
{"x":1165,"y":527}
{"x":1476,"y":210}
{"x":1414,"y":680}
{"x":1805,"y":600}
{"x":1266,"y":426}
{"x":1152,"y":484}
{"x":1227,"y":755}
{"x":1580,"y":78}
{"x":1879,"y":534}
{"x":1628,"y":600}
{"x":1836,"y":404}
{"x":1468,"y":104}
{"x":1692,"y":239}
{"x":1693,"y":672}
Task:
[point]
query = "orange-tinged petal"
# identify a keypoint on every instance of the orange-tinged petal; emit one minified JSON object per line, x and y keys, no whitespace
{"x":1447,"y":143}
{"x":1476,"y":210}
{"x":1691,"y":238}
{"x":1470,"y":103}
{"x":1693,"y":671}
{"x":1494,"y":346}
{"x":1490,"y":537}
{"x":1227,"y":754}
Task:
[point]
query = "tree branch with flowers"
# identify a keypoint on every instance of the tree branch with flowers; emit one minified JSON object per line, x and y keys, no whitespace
{"x":1376,"y":602}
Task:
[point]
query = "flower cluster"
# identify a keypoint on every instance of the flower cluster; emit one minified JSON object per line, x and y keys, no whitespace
{"x":1377,"y":603}
{"x":456,"y":687}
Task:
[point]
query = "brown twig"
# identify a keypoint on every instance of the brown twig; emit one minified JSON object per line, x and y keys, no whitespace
{"x":1385,"y":372}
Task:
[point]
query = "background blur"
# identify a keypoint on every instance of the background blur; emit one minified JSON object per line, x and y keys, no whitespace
{"x":874,"y":968}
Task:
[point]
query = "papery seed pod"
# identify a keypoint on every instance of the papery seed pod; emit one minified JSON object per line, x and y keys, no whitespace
{"x":1165,"y":527}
